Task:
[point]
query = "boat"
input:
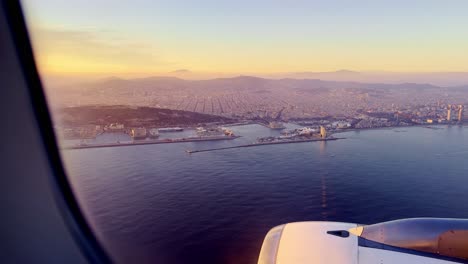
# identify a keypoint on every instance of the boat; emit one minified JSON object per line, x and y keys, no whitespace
{"x":414,"y":240}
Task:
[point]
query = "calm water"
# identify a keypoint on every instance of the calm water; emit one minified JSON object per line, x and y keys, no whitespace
{"x":155,"y":203}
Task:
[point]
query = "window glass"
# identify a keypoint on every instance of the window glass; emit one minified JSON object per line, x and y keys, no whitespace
{"x":189,"y":129}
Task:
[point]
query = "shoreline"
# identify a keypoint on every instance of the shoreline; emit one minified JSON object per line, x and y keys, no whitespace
{"x":150,"y":142}
{"x":428,"y":126}
{"x":200,"y":139}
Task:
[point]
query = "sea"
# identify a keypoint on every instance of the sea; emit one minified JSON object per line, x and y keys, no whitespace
{"x":159,"y":204}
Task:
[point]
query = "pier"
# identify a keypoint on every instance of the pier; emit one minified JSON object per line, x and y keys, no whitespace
{"x":150,"y":142}
{"x":264,"y":143}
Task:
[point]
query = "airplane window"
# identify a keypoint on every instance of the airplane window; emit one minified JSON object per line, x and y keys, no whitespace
{"x":189,"y":130}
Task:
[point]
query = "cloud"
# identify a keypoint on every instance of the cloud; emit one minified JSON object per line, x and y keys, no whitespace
{"x":60,"y":50}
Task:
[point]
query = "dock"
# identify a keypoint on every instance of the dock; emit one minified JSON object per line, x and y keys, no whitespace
{"x":150,"y":142}
{"x":264,"y":144}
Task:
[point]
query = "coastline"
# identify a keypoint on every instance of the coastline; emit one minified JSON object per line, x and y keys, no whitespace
{"x":393,"y":127}
{"x":151,"y":142}
{"x":195,"y":139}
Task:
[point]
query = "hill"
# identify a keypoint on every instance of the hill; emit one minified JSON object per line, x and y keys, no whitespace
{"x":133,"y":116}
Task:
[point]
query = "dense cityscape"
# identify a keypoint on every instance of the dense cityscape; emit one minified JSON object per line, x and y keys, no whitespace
{"x":142,"y":108}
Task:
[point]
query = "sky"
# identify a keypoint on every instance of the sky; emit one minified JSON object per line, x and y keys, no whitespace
{"x":246,"y":36}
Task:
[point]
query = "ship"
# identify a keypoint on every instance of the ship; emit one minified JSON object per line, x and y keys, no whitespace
{"x":212,"y":131}
{"x":170,"y":129}
{"x":153,"y":133}
{"x":306,"y":131}
{"x":276,"y":125}
{"x":227,"y":132}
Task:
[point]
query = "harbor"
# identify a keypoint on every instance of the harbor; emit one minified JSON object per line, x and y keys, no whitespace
{"x":150,"y":136}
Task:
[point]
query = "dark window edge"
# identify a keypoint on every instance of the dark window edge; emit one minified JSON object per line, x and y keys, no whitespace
{"x":62,"y":191}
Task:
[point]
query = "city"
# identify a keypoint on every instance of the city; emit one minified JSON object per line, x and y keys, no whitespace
{"x":138,"y":106}
{"x":147,"y":131}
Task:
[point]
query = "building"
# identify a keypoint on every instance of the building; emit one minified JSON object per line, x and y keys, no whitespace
{"x":460,"y":113}
{"x":323,"y":132}
{"x":138,"y":133}
{"x":116,"y":127}
{"x":449,"y":112}
{"x":429,"y":121}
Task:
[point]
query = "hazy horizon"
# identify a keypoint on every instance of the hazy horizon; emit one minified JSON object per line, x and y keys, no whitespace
{"x":142,"y":38}
{"x":443,"y":79}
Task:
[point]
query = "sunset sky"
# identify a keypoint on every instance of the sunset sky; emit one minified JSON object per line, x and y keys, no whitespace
{"x":147,"y":37}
